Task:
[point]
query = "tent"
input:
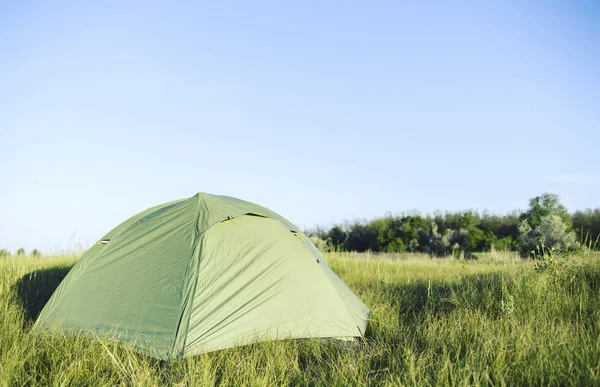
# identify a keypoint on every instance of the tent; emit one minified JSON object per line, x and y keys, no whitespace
{"x":202,"y":274}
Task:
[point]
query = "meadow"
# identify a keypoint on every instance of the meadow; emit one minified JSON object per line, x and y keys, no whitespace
{"x":498,"y":320}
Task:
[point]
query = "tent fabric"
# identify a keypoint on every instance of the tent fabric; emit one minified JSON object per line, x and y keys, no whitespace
{"x":201,"y":274}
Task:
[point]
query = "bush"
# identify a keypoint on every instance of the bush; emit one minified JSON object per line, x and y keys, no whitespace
{"x":319,"y":243}
{"x":552,"y":235}
{"x":504,"y":244}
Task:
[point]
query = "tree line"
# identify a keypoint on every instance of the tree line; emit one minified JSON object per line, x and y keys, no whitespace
{"x":546,"y":225}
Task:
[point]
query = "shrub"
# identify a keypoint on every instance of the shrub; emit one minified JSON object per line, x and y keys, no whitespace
{"x":319,"y":243}
{"x":395,"y":246}
{"x":552,"y":235}
{"x":439,"y":244}
{"x":504,"y":244}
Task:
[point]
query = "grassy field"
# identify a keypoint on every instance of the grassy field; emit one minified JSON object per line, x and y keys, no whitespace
{"x":496,"y":321}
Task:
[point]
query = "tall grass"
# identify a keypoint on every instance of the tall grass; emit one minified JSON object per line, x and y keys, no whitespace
{"x":495,"y":321}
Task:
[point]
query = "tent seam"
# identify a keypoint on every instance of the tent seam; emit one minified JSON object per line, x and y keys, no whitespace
{"x":182,"y":306}
{"x":198,"y":235}
{"x":193,"y":296}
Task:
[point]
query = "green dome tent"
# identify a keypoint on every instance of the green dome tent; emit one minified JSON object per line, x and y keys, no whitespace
{"x":202,"y":274}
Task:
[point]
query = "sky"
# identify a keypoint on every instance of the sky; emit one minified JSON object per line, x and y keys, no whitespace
{"x":322,"y":111}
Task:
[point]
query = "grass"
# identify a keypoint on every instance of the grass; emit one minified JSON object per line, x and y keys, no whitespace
{"x":495,"y":321}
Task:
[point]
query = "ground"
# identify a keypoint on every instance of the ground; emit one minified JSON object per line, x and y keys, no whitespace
{"x":494,"y":321}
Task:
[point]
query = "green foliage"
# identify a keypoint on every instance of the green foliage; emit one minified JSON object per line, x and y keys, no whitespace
{"x":439,"y":235}
{"x":587,"y":227}
{"x":504,"y":244}
{"x":4,"y":253}
{"x":360,"y":237}
{"x":555,"y":234}
{"x":434,"y":322}
{"x":551,"y":235}
{"x":21,"y":252}
{"x":500,"y":226}
{"x":544,"y":205}
{"x":337,"y":237}
{"x":546,"y":227}
{"x":36,"y":253}
{"x":439,"y":244}
{"x":319,"y":243}
{"x":465,"y":232}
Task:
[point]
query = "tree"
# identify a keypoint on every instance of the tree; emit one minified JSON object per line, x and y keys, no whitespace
{"x":544,"y":205}
{"x":360,"y":238}
{"x":35,"y":253}
{"x":21,"y":252}
{"x":439,"y":244}
{"x":546,"y":226}
{"x":410,"y":231}
{"x":500,"y":231}
{"x":337,"y":236}
{"x":586,"y":225}
{"x":4,"y":253}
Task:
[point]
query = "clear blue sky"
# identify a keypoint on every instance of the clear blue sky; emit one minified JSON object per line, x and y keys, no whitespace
{"x":322,"y":111}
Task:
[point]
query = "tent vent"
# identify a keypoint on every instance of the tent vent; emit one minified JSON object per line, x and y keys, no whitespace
{"x":103,"y":242}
